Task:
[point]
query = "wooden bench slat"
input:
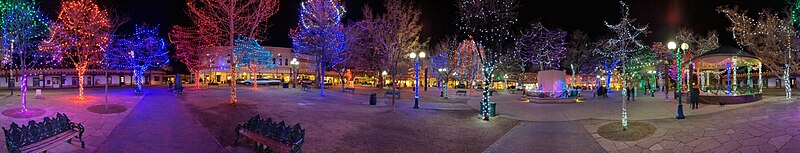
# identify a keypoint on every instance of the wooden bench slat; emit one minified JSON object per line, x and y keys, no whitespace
{"x":49,"y":142}
{"x":273,"y":144}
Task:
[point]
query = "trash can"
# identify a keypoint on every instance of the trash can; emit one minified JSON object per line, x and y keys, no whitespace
{"x":492,"y":106}
{"x":373,"y":99}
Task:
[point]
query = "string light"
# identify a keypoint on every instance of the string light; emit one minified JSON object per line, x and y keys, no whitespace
{"x":320,"y":34}
{"x":139,"y":52}
{"x":255,"y":57}
{"x":81,"y":34}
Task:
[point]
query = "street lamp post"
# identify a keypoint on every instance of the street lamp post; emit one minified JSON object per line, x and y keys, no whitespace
{"x":416,"y":58}
{"x":678,"y":52}
{"x":294,"y":64}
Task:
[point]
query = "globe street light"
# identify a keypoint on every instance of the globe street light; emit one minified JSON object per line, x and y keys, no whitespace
{"x":678,"y":52}
{"x":416,"y":59}
{"x":294,"y":64}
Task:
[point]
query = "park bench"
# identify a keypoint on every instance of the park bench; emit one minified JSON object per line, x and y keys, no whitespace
{"x":350,"y":90}
{"x":461,"y":92}
{"x":393,"y":94}
{"x":269,"y":135}
{"x":40,"y":136}
{"x":305,"y":87}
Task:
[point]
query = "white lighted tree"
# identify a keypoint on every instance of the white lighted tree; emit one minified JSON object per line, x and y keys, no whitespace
{"x":489,"y":22}
{"x":548,"y":45}
{"x":771,"y":38}
{"x":624,"y":41}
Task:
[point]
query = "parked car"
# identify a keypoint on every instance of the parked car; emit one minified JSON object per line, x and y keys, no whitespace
{"x":306,"y":81}
{"x":263,"y":82}
{"x":461,"y":86}
{"x":242,"y":81}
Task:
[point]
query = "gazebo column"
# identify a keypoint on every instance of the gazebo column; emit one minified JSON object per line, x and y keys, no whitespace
{"x":735,"y":82}
{"x":760,"y":82}
{"x":728,"y":69}
{"x":749,"y":82}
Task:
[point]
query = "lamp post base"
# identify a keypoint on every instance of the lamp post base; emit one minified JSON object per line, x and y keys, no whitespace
{"x":416,"y":102}
{"x":680,"y":109}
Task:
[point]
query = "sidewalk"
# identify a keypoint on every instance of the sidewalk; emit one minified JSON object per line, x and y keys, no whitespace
{"x":644,"y":108}
{"x":159,"y":124}
{"x":564,"y":136}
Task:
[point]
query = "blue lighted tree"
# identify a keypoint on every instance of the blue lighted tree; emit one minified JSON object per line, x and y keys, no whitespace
{"x":23,"y":27}
{"x":320,"y":34}
{"x":139,"y":52}
{"x":254,"y":57}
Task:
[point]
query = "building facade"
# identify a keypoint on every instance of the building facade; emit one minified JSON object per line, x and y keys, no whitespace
{"x":68,"y":78}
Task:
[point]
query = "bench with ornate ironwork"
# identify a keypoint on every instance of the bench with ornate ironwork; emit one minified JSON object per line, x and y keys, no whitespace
{"x":40,"y":136}
{"x":350,"y":90}
{"x":270,"y":135}
{"x":395,"y":94}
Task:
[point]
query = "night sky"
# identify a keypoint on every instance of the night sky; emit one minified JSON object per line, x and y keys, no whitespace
{"x":664,"y":17}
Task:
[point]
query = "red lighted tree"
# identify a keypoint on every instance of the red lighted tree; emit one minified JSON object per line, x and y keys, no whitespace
{"x":188,"y":49}
{"x":81,"y":35}
{"x":224,"y":20}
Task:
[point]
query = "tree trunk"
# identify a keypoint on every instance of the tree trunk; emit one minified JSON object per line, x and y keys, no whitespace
{"x":81,"y":80}
{"x":106,"y":88}
{"x":624,"y":109}
{"x":786,"y":82}
{"x":24,"y":88}
{"x":137,"y":76}
{"x":487,"y":80}
{"x":232,"y":83}
{"x":446,"y":81}
{"x":341,"y":78}
{"x":321,"y":78}
{"x":255,"y":82}
{"x":197,"y":80}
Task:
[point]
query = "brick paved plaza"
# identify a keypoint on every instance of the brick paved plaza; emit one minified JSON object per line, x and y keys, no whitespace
{"x":203,"y":121}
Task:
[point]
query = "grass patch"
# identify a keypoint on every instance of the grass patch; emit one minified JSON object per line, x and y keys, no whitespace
{"x":636,"y":131}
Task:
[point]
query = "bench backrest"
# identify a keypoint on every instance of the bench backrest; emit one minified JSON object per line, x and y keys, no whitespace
{"x":282,"y":132}
{"x":17,"y":136}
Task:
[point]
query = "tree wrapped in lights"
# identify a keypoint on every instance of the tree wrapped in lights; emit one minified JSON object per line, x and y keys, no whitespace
{"x":364,"y":50}
{"x":396,"y":34}
{"x":468,"y":62}
{"x":320,"y":34}
{"x":23,"y":27}
{"x":624,"y":42}
{"x":772,"y":38}
{"x":81,"y":35}
{"x":489,"y":22}
{"x":139,"y":52}
{"x":225,"y":20}
{"x":548,"y":46}
{"x":665,"y":57}
{"x":444,"y":62}
{"x":189,"y":43}
{"x":700,"y":44}
{"x":579,"y":51}
{"x":255,"y":57}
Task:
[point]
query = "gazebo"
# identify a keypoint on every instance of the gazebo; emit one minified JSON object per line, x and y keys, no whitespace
{"x":718,"y":71}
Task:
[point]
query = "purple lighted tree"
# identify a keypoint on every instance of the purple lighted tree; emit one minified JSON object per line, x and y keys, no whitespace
{"x":547,"y":46}
{"x":139,"y":52}
{"x":320,"y":34}
{"x":22,"y":27}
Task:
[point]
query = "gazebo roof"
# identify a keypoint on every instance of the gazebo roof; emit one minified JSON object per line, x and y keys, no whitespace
{"x":728,"y":51}
{"x":721,"y":58}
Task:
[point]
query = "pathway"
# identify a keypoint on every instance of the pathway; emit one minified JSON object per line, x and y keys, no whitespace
{"x":159,"y":123}
{"x":562,"y":136}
